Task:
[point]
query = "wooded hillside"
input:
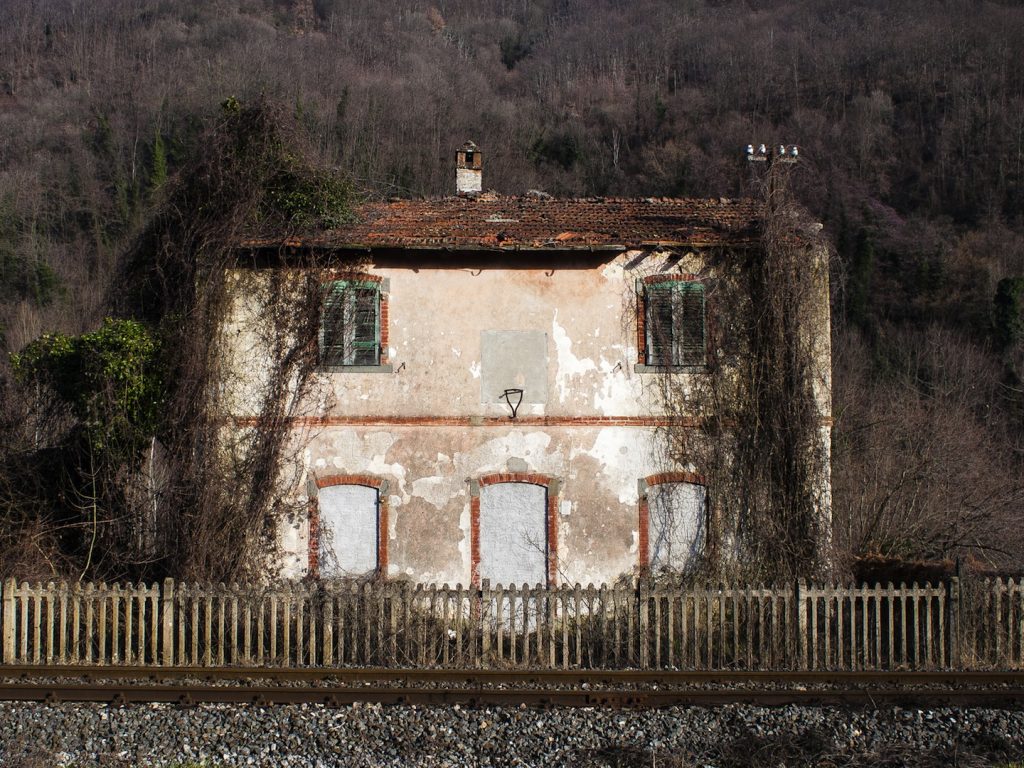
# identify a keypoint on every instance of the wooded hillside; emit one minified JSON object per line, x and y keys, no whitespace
{"x":909,"y":116}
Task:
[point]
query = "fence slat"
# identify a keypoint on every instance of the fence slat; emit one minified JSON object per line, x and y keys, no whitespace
{"x":50,"y":622}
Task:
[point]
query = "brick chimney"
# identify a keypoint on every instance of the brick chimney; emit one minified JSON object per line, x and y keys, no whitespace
{"x":468,"y":170}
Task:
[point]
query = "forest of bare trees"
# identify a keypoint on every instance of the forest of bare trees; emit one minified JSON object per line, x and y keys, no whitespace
{"x":909,"y":116}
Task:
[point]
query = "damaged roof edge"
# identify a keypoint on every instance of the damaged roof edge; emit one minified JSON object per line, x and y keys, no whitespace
{"x":527,"y":225}
{"x":482,"y":248}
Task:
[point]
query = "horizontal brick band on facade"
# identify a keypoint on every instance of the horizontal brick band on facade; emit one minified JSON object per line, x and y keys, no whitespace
{"x":485,"y":421}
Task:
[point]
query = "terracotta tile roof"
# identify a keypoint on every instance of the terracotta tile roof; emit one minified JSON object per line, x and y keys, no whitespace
{"x":490,"y":222}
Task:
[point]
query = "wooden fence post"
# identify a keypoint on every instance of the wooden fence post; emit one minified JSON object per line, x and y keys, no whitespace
{"x":10,"y":585}
{"x":955,"y":657}
{"x":484,"y":614}
{"x":643,"y":623}
{"x":801,"y":624}
{"x":167,"y":622}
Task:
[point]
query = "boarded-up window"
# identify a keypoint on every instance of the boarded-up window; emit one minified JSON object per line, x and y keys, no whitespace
{"x":674,"y":322}
{"x":350,"y":324}
{"x":349,"y":530}
{"x":513,"y":533}
{"x":677,"y":524}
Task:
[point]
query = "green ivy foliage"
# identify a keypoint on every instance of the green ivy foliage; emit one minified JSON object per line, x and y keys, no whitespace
{"x":306,"y":200}
{"x":110,"y":379}
{"x":258,"y":151}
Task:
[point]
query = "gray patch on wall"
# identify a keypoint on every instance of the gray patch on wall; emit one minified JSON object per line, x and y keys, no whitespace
{"x":513,"y":360}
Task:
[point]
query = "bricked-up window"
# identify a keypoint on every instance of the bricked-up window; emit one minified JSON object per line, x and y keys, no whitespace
{"x":514,"y":546}
{"x":677,"y":524}
{"x":350,"y":325}
{"x":675,"y":324}
{"x":348,"y":530}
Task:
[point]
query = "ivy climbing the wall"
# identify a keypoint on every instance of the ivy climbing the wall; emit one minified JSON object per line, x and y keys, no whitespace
{"x":754,"y":423}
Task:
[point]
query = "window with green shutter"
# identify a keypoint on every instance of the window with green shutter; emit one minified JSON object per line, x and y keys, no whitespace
{"x":674,"y":324}
{"x":350,"y":324}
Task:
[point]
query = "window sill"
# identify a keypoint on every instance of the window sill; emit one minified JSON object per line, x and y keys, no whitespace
{"x":388,"y":368}
{"x":644,"y":368}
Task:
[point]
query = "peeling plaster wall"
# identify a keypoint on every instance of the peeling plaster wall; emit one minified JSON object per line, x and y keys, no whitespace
{"x":429,"y":471}
{"x":425,"y":430}
{"x":437,"y":317}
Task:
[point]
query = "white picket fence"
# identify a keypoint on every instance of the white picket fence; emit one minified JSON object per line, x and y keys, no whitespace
{"x":396,"y":624}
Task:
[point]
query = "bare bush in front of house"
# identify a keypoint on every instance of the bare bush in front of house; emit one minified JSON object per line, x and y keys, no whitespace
{"x":921,"y":471}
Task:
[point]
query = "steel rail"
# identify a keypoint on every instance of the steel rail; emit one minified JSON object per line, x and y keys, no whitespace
{"x":189,"y":695}
{"x":483,"y":677}
{"x":576,"y":688}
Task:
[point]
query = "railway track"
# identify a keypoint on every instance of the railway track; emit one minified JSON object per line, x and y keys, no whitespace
{"x":186,"y":686}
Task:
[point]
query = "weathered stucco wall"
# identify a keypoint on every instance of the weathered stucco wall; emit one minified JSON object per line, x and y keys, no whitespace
{"x":430,"y":474}
{"x":433,"y":424}
{"x":440,"y":317}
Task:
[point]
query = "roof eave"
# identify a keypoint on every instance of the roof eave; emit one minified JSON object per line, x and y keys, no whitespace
{"x":514,"y":248}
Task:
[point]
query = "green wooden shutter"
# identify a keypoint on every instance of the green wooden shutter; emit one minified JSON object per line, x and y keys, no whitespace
{"x":689,"y":316}
{"x":365,"y":326}
{"x":332,"y":325}
{"x":659,"y":326}
{"x":674,"y":314}
{"x":350,"y":324}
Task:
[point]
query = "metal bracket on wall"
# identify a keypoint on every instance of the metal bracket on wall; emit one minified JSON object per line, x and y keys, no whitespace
{"x":508,"y":394}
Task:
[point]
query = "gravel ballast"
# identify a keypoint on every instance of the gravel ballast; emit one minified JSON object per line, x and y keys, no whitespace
{"x":372,"y":735}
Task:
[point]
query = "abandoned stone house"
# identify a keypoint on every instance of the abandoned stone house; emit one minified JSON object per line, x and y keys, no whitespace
{"x":490,"y":405}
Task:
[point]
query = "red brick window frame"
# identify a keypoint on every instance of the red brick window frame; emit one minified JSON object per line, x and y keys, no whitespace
{"x":551,"y":485}
{"x":642,"y":365}
{"x":369,"y":481}
{"x":384,"y":316}
{"x":644,"y":548}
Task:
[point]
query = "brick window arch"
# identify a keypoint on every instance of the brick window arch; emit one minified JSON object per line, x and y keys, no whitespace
{"x":665,"y":539}
{"x":479,"y":544}
{"x":368,"y":537}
